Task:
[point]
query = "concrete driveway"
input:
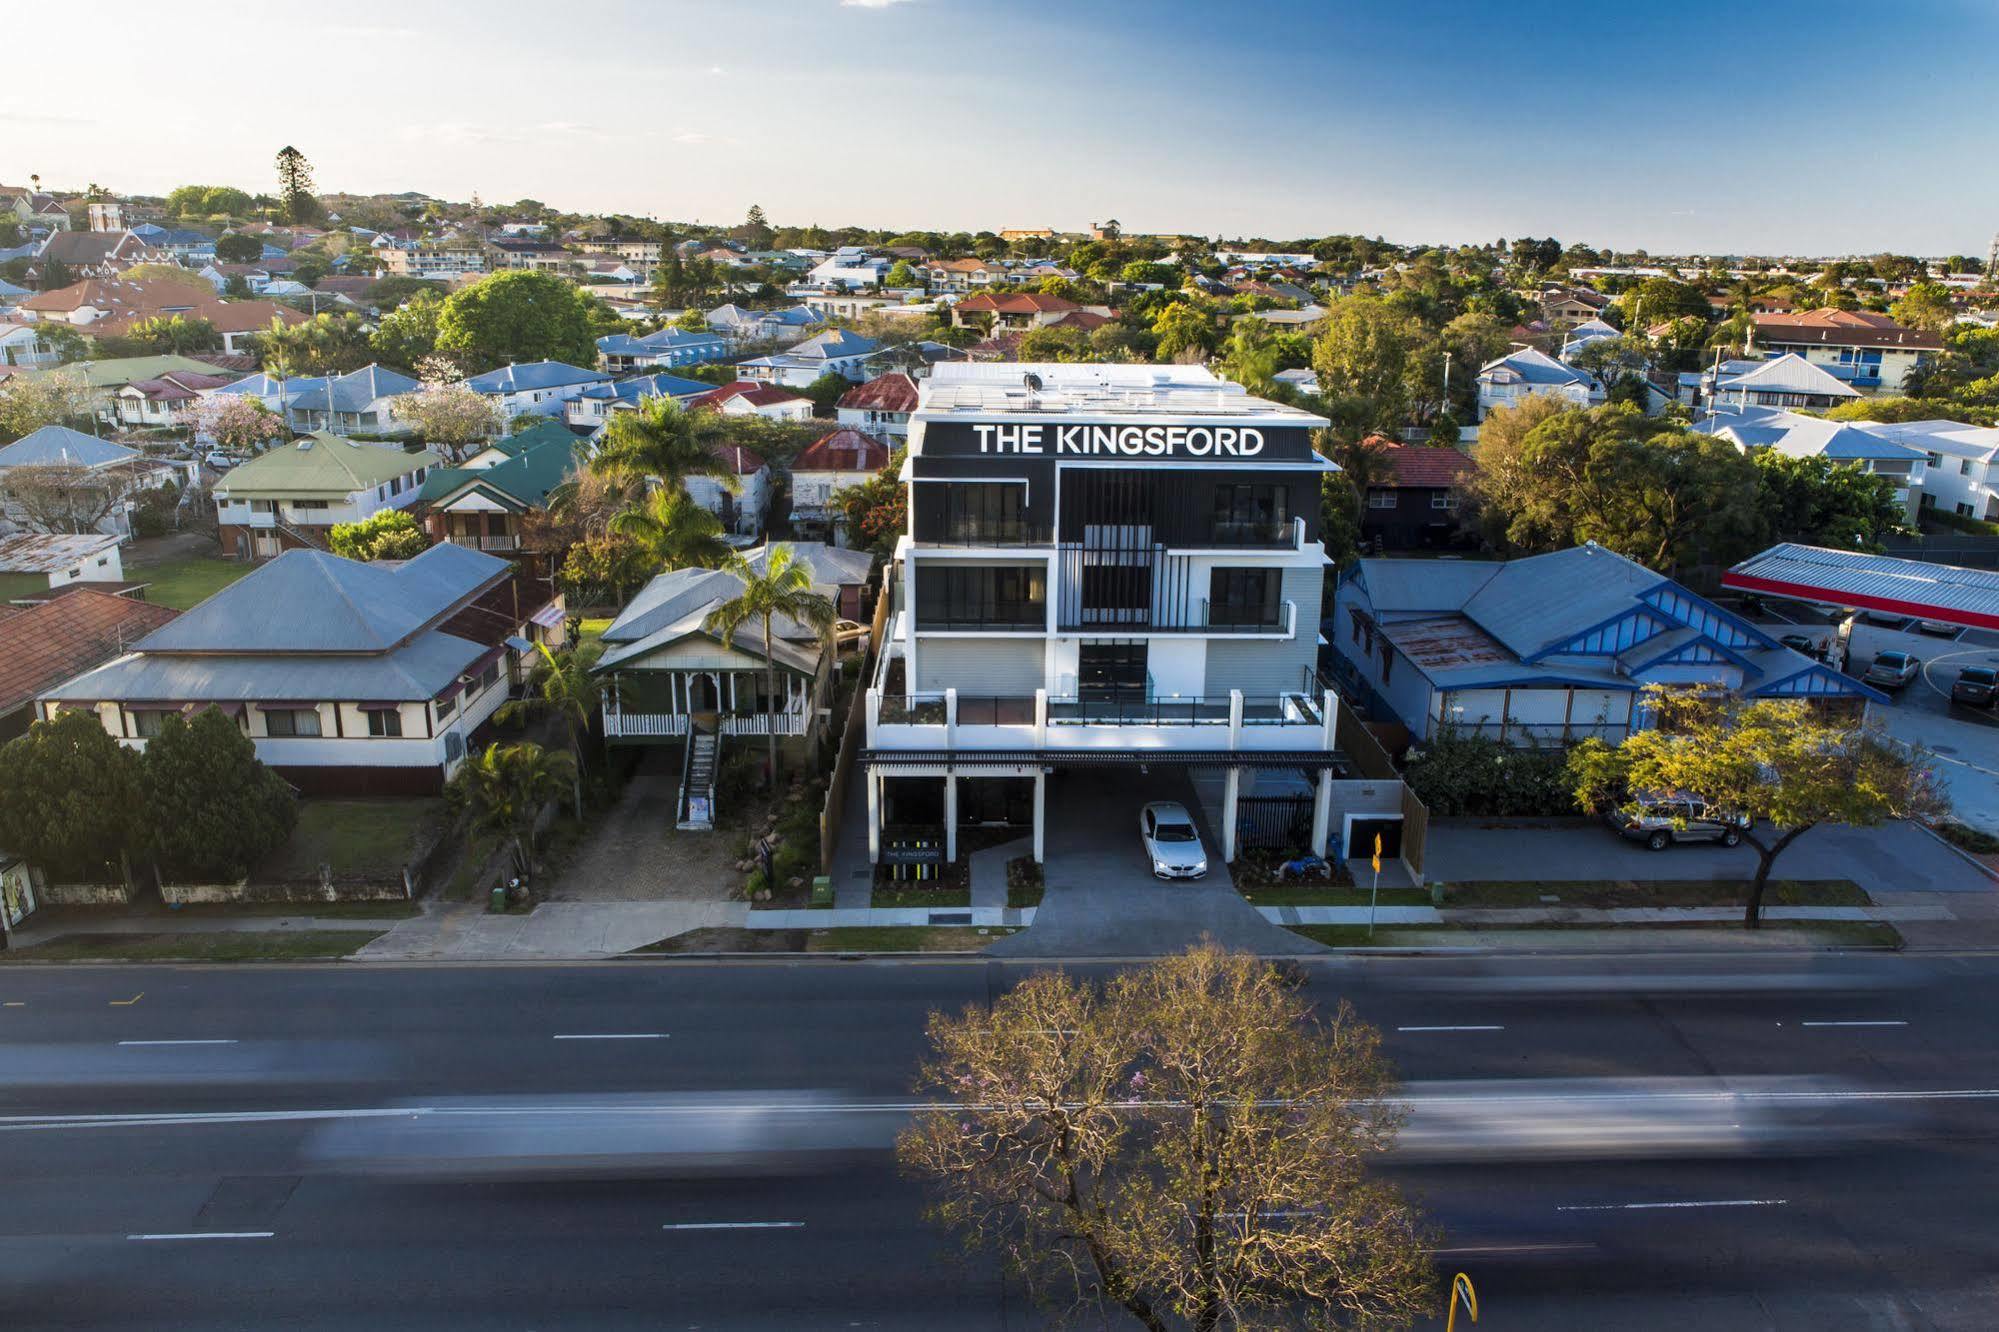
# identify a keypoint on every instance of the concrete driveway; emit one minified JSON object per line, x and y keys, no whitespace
{"x":1894,"y":858}
{"x":1101,"y":899}
{"x":1964,"y":740}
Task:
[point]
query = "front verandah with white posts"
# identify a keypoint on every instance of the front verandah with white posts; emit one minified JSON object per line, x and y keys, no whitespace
{"x":641,"y":705}
{"x":946,"y":740}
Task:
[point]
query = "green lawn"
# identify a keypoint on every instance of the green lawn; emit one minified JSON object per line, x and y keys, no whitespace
{"x":914,"y":895}
{"x":903,"y":939}
{"x":590,"y":630}
{"x":217,"y":946}
{"x":353,"y":836}
{"x":14,"y":585}
{"x":184,"y":582}
{"x":1843,"y":933}
{"x":1327,"y":894}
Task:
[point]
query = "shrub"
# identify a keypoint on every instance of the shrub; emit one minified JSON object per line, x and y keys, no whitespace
{"x":1474,"y":774}
{"x":1975,"y":840}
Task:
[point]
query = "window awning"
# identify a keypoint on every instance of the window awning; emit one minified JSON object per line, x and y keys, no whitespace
{"x":379,"y":705}
{"x":519,"y":644}
{"x":287,"y":705}
{"x":548,"y":617}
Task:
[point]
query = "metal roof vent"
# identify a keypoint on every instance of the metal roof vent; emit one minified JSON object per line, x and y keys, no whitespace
{"x":1032,"y":380}
{"x":305,"y":446}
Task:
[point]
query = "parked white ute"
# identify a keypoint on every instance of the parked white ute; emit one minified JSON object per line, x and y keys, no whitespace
{"x":1172,"y":843}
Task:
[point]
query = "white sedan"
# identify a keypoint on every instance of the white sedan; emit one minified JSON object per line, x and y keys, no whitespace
{"x":1172,"y":844}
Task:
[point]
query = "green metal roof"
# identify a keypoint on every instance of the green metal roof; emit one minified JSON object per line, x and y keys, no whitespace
{"x":320,"y":466}
{"x":521,"y":482}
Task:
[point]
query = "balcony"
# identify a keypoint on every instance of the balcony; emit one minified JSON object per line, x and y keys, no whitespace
{"x":504,"y":542}
{"x":1220,"y":620}
{"x":622,"y":725}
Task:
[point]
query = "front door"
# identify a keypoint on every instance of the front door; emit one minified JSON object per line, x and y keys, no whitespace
{"x":1111,"y":671}
{"x":1364,"y":833}
{"x":702,"y":695}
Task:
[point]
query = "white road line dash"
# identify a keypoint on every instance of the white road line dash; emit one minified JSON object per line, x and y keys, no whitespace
{"x":1450,"y":1029}
{"x":208,"y":1235}
{"x":1655,"y":1206}
{"x":735,"y":1225}
{"x":212,"y":1042}
{"x":614,"y":1036}
{"x":1855,"y":1024}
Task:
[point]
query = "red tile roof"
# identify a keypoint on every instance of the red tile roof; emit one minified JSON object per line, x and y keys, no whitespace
{"x":843,"y":451}
{"x":1842,"y":328}
{"x":1421,"y":467}
{"x":1087,"y":320}
{"x":61,"y":639}
{"x":889,"y":393}
{"x":1017,"y":302}
{"x":757,"y":395}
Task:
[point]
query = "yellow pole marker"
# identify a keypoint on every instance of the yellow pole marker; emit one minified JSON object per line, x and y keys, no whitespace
{"x":1461,"y":1285}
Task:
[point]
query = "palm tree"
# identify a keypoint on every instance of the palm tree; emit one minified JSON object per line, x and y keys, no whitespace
{"x":781,"y":587}
{"x":564,"y":685}
{"x":504,"y":789}
{"x":674,"y":530}
{"x":662,"y":440}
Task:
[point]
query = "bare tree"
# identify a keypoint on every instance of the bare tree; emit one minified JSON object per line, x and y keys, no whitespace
{"x":1187,"y":1142}
{"x":59,"y":497}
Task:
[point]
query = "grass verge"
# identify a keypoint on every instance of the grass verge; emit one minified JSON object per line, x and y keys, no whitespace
{"x":1606,"y":893}
{"x":1840,"y":933}
{"x":313,"y":910}
{"x":847,"y":939}
{"x":914,"y":895}
{"x":219,"y":946}
{"x":1328,"y":894}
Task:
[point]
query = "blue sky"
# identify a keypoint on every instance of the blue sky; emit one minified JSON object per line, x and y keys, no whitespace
{"x":1766,"y":126}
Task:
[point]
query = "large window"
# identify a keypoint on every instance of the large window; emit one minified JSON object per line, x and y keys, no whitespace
{"x":981,"y":597}
{"x":385,"y":723}
{"x":1250,"y":513}
{"x":291,"y":721}
{"x":985,"y":513}
{"x":1243,"y":598}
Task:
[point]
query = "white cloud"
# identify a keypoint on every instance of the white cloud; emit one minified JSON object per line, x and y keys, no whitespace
{"x":456,"y":134}
{"x":717,"y":70}
{"x":364,"y":32}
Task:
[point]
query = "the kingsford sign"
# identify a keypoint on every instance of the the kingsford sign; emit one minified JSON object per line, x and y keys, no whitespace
{"x":1158,"y":441}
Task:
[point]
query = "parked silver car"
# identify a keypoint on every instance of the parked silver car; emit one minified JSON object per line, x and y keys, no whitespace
{"x":1172,"y":843}
{"x":1663,"y":820}
{"x":1892,"y":670}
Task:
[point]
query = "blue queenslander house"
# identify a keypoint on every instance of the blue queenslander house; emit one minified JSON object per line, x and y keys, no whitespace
{"x":1549,"y":650}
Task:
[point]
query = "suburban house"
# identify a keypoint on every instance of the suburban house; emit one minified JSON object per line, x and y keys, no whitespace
{"x":1112,"y":572}
{"x":643,"y":252}
{"x":102,"y":477}
{"x":1572,"y":305}
{"x":621,"y":353}
{"x":1870,"y":351}
{"x":94,"y":253}
{"x":515,"y":389}
{"x":1962,"y":472}
{"x":1011,"y":311}
{"x":23,"y":347}
{"x":843,"y":459}
{"x":483,"y":505}
{"x":849,"y":270}
{"x":1785,"y":381}
{"x":435,"y":259}
{"x":838,"y":574}
{"x":102,"y":299}
{"x":672,"y":679}
{"x":1796,"y":436}
{"x":36,"y":208}
{"x":1548,"y":650}
{"x":1583,"y":334}
{"x":834,"y":352}
{"x":744,"y":398}
{"x":235,"y":321}
{"x":741,"y":503}
{"x":165,"y":401}
{"x":592,"y":409}
{"x":880,"y":407}
{"x":290,"y":496}
{"x":538,"y":256}
{"x":782,"y":326}
{"x":351,"y":678}
{"x":1526,"y":371}
{"x":54,"y":641}
{"x":1414,"y":503}
{"x":360,"y":402}
{"x":958,"y":275}
{"x":64,"y":558}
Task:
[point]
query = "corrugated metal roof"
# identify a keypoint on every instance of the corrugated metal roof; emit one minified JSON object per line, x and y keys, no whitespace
{"x":1946,"y":593}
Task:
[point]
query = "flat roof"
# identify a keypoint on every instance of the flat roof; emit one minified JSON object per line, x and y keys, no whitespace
{"x":1945,"y":593}
{"x":961,"y":390}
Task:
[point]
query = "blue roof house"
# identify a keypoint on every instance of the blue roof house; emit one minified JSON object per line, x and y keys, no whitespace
{"x":1525,"y":372}
{"x":1548,"y":650}
{"x":516,"y":389}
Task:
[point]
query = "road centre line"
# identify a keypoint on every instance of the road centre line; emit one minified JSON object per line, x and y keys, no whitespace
{"x":1480,"y":1028}
{"x":209,"y":1235}
{"x":207,"y":1042}
{"x":1881,"y":1023}
{"x":735,"y":1225}
{"x":1675,"y":1206}
{"x":613,"y":1036}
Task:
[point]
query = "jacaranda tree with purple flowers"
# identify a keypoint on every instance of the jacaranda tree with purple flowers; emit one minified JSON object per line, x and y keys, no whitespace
{"x":1188,"y":1142}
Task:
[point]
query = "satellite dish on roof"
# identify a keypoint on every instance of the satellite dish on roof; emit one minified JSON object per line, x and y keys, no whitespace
{"x":1032,"y":380}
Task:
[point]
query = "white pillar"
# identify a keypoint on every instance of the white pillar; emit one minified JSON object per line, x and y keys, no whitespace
{"x":1235,"y":727}
{"x":873,"y":717}
{"x":951,"y":817}
{"x":1040,"y":815}
{"x":950,"y":719}
{"x":1231,"y":787}
{"x":873,"y":780}
{"x":1040,"y":742}
{"x":1330,"y":710}
{"x":1322,"y":812}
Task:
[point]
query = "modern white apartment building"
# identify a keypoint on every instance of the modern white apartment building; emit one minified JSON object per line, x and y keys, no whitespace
{"x":1105,"y":565}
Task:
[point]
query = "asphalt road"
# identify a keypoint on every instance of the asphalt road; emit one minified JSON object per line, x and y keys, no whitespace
{"x":208,"y":1200}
